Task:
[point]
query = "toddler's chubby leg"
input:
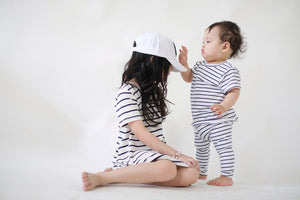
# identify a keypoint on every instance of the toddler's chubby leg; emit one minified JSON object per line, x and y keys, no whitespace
{"x":221,"y":181}
{"x":202,"y":144}
{"x":222,"y":139}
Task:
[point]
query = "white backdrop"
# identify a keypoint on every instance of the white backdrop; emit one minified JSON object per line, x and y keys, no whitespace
{"x":61,"y":63}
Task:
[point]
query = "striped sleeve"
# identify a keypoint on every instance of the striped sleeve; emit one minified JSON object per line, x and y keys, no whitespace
{"x":126,"y":107}
{"x":230,"y":80}
{"x":194,"y":68}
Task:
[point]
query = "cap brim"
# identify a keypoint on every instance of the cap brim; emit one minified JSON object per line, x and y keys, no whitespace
{"x":177,"y":67}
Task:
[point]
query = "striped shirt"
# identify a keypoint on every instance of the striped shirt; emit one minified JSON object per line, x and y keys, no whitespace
{"x":129,"y":149}
{"x":210,"y":84}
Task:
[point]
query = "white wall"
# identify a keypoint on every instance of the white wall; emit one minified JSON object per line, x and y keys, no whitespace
{"x":61,"y":63}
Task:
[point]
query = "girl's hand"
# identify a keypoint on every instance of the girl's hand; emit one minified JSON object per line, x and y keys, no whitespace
{"x":218,"y":109}
{"x":190,"y":161}
{"x":183,"y":53}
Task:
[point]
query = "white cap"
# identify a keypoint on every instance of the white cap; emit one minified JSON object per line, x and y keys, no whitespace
{"x":158,"y":45}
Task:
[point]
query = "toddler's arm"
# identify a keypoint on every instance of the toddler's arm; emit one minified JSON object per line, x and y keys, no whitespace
{"x":230,"y":99}
{"x":188,"y":75}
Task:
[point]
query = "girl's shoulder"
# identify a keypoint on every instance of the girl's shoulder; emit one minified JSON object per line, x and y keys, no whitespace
{"x":127,"y":89}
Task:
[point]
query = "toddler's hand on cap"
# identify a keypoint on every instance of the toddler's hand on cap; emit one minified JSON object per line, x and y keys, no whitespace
{"x":183,"y":55}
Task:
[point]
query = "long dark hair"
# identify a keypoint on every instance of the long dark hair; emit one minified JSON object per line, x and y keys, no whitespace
{"x":151,"y":73}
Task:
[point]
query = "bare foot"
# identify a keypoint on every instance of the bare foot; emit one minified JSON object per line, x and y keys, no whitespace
{"x":90,"y":181}
{"x":202,"y":177}
{"x":221,"y":181}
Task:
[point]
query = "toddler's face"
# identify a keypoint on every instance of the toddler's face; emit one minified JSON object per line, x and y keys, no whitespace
{"x":212,"y":46}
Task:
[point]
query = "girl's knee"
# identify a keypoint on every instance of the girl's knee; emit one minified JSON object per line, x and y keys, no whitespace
{"x":194,"y":175}
{"x":189,"y":176}
{"x":166,"y":170}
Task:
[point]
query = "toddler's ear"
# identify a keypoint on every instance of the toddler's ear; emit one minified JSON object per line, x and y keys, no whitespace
{"x":226,"y":45}
{"x":227,"y":48}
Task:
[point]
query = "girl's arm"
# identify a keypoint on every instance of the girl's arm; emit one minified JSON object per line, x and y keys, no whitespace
{"x":149,"y":139}
{"x":188,"y":75}
{"x":138,"y":128}
{"x":230,"y":99}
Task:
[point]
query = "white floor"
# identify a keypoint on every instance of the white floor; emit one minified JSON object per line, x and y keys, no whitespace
{"x":59,"y":179}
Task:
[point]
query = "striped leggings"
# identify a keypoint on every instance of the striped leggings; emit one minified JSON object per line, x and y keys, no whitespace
{"x":220,"y":136}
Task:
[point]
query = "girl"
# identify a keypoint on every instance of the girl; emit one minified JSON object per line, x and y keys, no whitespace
{"x":142,"y":155}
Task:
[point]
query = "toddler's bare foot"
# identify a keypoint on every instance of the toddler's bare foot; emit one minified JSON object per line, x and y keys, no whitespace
{"x":202,"y":177}
{"x":221,"y":181}
{"x":90,"y":181}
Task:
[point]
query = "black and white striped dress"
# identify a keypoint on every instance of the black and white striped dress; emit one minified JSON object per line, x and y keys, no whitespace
{"x":130,"y":150}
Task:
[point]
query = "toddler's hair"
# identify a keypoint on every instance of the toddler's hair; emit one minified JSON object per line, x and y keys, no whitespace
{"x":230,"y":32}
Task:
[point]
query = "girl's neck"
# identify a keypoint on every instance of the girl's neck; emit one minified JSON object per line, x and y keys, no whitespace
{"x":133,"y":81}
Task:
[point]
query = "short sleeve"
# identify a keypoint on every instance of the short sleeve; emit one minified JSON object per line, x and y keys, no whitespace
{"x":126,"y":106}
{"x":230,"y":80}
{"x":195,"y":68}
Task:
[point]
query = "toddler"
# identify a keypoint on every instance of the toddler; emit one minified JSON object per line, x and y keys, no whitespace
{"x":215,"y":89}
